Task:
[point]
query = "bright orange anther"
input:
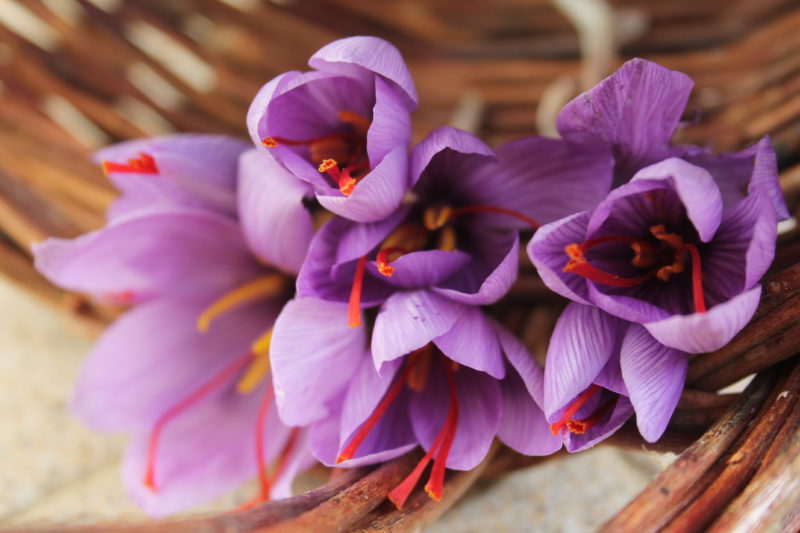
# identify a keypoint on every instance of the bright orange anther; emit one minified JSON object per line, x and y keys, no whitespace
{"x":269,"y":142}
{"x":347,"y":185}
{"x":328,"y":164}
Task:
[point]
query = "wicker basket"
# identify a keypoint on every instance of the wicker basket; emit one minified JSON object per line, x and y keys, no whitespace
{"x":78,"y":74}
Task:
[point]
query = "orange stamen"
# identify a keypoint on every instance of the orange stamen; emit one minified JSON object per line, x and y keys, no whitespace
{"x":218,"y":380}
{"x":354,"y":306}
{"x":574,"y":408}
{"x":495,"y":209}
{"x":697,"y":279}
{"x":144,"y":164}
{"x":383,"y":259}
{"x":397,"y":385}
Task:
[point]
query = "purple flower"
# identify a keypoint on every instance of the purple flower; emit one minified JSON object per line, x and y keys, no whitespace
{"x":637,"y":110}
{"x":661,"y":268}
{"x":344,"y":127}
{"x":186,"y":372}
{"x":430,"y":265}
{"x":324,"y":376}
{"x":457,"y":239}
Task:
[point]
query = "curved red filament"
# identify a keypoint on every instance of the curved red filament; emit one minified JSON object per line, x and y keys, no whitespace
{"x":441,"y":447}
{"x":497,"y":210}
{"x":144,"y":164}
{"x":578,"y":264}
{"x":261,"y":462}
{"x":354,"y":305}
{"x":574,"y":407}
{"x":397,"y":385}
{"x":221,"y":378}
{"x":697,"y":279}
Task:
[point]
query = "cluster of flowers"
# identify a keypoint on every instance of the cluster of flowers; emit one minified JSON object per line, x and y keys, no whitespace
{"x":323,"y":295}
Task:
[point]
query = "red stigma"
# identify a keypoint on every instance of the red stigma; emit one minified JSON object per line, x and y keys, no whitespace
{"x":225,"y":375}
{"x":697,"y":279}
{"x":354,"y":305}
{"x":263,"y":478}
{"x":441,"y":447}
{"x":144,"y":164}
{"x":497,"y":210}
{"x":572,"y":410}
{"x":397,"y":385}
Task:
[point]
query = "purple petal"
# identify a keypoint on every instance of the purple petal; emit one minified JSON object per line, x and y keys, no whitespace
{"x":393,"y":431}
{"x":377,"y":194}
{"x":442,"y":139}
{"x":522,"y":362}
{"x":472,"y":342}
{"x":277,"y":226}
{"x":256,"y":114}
{"x":408,"y":320}
{"x":637,"y":109}
{"x":345,"y":56}
{"x":740,"y":173}
{"x":486,"y":282}
{"x":584,"y":339}
{"x":391,"y":123}
{"x":629,"y":308}
{"x":325,"y":443}
{"x":311,"y":351}
{"x":480,"y":410}
{"x":523,"y":426}
{"x":153,"y":357}
{"x":178,"y":253}
{"x":765,"y":176}
{"x":742,"y":249}
{"x":621,"y":413}
{"x":696,"y":189}
{"x":709,"y":331}
{"x":202,"y":454}
{"x":328,"y":272}
{"x":654,"y":375}
{"x":545,"y":179}
{"x":193,"y":171}
{"x":299,"y":460}
{"x":424,"y":268}
{"x":546,"y":251}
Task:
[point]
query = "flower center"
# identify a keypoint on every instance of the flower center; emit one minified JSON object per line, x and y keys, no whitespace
{"x":342,"y":155}
{"x":144,"y":164}
{"x":661,"y":259}
{"x":582,"y":425}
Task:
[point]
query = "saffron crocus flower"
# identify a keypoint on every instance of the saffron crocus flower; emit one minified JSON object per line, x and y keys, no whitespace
{"x":457,"y":239}
{"x":325,"y":377}
{"x":429,"y":265}
{"x":637,"y":110}
{"x":671,"y":270}
{"x":344,"y":127}
{"x":186,"y":371}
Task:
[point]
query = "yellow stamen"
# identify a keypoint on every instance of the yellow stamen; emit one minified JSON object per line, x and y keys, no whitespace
{"x":435,"y":217}
{"x":447,"y":239}
{"x":263,"y":287}
{"x":259,"y":368}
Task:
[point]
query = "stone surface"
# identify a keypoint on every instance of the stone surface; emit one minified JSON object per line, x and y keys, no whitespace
{"x":54,"y":469}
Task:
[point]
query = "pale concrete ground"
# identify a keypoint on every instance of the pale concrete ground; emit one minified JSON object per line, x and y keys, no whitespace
{"x":53,"y":469}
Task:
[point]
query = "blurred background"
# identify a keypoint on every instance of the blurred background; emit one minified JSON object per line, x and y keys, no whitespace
{"x":76,"y":75}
